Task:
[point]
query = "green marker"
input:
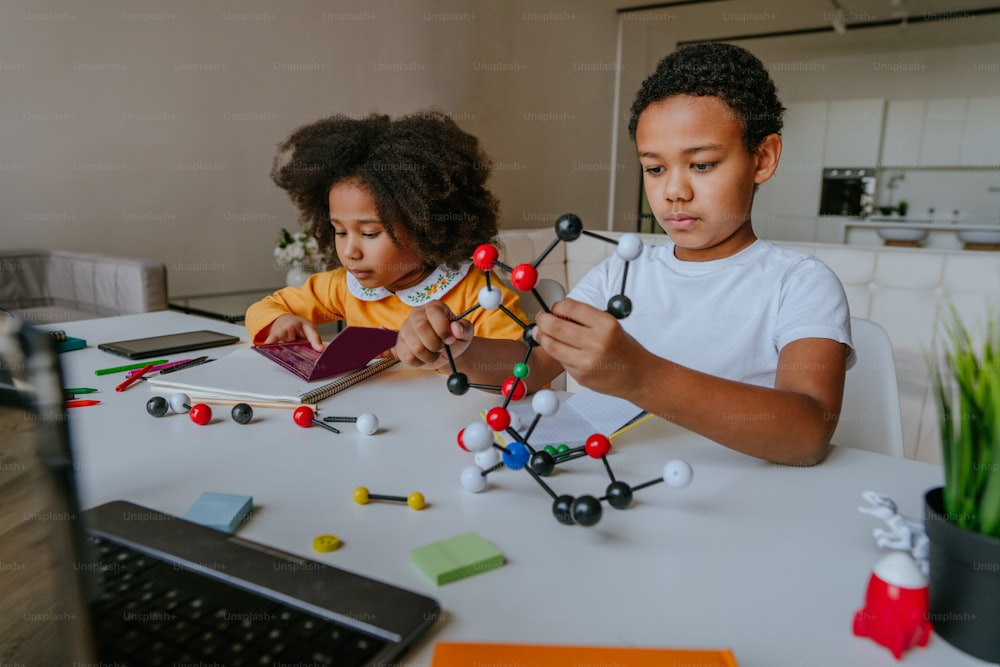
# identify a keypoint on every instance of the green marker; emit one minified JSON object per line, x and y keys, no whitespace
{"x":128,"y":367}
{"x":80,"y":390}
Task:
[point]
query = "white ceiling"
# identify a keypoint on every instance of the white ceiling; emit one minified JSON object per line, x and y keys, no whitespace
{"x":916,"y":24}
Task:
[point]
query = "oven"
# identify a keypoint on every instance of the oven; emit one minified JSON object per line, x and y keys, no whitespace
{"x":848,"y":191}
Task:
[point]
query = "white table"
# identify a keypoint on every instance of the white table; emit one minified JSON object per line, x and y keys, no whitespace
{"x":769,"y":561}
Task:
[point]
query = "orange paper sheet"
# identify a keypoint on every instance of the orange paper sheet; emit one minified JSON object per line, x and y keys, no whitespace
{"x":460,"y":654}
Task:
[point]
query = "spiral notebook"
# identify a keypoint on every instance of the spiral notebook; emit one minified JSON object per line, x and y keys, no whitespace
{"x":246,"y":375}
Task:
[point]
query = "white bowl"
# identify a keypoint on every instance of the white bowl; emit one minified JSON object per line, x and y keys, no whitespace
{"x":979,"y":235}
{"x":902,"y":234}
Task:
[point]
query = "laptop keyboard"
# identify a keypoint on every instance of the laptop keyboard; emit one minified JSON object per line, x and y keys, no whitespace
{"x":151,"y":613}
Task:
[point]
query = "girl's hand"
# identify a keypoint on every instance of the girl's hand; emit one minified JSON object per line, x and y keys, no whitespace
{"x":592,"y":346}
{"x":289,"y":328}
{"x":426,"y":331}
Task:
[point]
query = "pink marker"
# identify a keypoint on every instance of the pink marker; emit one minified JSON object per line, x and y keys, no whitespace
{"x":159,"y":367}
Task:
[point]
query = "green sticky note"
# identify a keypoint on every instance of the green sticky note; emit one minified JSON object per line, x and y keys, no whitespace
{"x":456,"y":558}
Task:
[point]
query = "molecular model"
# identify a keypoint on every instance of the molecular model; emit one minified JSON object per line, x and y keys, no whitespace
{"x":242,"y":413}
{"x":477,"y":437}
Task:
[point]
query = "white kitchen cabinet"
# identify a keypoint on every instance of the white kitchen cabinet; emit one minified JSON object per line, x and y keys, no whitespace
{"x":795,"y":228}
{"x":941,"y":138}
{"x":830,"y":228}
{"x":980,"y":145}
{"x":853,"y":131}
{"x":795,"y":188}
{"x":904,"y":125}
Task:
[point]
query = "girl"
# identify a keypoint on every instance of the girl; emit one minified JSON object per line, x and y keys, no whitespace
{"x":397,"y":207}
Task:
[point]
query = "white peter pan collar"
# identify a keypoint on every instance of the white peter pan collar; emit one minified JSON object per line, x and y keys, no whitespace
{"x":431,"y":288}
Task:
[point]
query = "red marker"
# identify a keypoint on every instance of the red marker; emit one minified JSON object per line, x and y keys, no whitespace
{"x":130,"y":380}
{"x":81,"y":403}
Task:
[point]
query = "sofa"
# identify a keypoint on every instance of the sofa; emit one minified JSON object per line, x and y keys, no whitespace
{"x":906,"y":290}
{"x":46,"y":286}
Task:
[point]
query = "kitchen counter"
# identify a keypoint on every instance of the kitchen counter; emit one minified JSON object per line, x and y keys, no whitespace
{"x":941,"y":233}
{"x":918,"y":223}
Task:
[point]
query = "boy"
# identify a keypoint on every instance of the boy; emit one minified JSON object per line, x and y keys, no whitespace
{"x":730,"y":336}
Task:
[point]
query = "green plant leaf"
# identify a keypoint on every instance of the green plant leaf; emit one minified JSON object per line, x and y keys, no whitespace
{"x":966,"y":388}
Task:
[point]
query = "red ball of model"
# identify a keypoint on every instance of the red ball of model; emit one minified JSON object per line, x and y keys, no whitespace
{"x":484,"y":256}
{"x":303,"y":416}
{"x":461,"y":442}
{"x":524,"y":277}
{"x":200,"y":414}
{"x":597,"y":445}
{"x":498,"y":418}
{"x":515,"y":385}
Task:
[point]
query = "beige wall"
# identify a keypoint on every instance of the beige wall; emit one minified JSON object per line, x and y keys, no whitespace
{"x":148,"y":129}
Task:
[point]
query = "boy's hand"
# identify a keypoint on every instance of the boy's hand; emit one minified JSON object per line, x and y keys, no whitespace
{"x":426,"y":331}
{"x":591,"y":345}
{"x":289,"y":328}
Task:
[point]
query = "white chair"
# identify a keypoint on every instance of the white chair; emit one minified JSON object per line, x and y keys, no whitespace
{"x":62,"y":285}
{"x":870,"y":416}
{"x":550,"y":291}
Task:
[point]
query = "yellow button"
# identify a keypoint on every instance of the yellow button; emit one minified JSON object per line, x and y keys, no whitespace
{"x":326,"y":543}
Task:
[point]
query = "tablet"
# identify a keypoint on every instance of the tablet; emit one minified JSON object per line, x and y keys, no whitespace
{"x":156,"y":346}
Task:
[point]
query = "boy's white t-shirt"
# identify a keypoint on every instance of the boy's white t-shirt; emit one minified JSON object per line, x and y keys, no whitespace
{"x":728,"y":317}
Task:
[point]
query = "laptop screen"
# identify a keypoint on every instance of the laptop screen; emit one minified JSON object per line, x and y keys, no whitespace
{"x":43,"y":616}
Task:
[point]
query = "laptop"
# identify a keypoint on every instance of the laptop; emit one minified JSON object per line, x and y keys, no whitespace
{"x":122,"y":584}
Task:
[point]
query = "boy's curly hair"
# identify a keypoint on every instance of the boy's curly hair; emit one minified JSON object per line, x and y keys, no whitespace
{"x":423,"y":171}
{"x":726,"y":71}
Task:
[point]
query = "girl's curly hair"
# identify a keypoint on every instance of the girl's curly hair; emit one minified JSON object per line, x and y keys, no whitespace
{"x":726,"y":71}
{"x":423,"y":171}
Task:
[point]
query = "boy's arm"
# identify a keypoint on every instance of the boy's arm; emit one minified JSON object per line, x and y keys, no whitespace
{"x":790,"y":424}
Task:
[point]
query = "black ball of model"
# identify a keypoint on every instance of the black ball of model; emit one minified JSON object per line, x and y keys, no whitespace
{"x":569,"y":227}
{"x":157,"y":406}
{"x":543,"y":463}
{"x":586,"y":510}
{"x":562,"y":510}
{"x":619,"y":495}
{"x":242,"y":413}
{"x":528,"y":338}
{"x":458,"y":383}
{"x":620,"y":306}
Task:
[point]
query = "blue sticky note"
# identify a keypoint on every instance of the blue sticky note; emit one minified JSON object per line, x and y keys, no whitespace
{"x":71,"y":343}
{"x":221,"y":511}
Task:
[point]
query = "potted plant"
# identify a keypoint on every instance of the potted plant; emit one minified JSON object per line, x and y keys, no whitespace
{"x":962,"y":518}
{"x":902,"y":207}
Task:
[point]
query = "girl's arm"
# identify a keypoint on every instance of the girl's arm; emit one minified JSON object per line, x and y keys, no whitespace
{"x":488,"y":361}
{"x":291,"y":313}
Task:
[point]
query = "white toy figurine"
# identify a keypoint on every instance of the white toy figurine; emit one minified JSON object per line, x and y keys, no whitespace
{"x":904,"y":533}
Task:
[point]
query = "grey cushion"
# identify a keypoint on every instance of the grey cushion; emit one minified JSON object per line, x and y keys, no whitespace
{"x":59,"y":285}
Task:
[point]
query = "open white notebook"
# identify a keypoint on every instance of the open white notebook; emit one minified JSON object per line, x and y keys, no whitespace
{"x":586,"y":412}
{"x":247,"y":375}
